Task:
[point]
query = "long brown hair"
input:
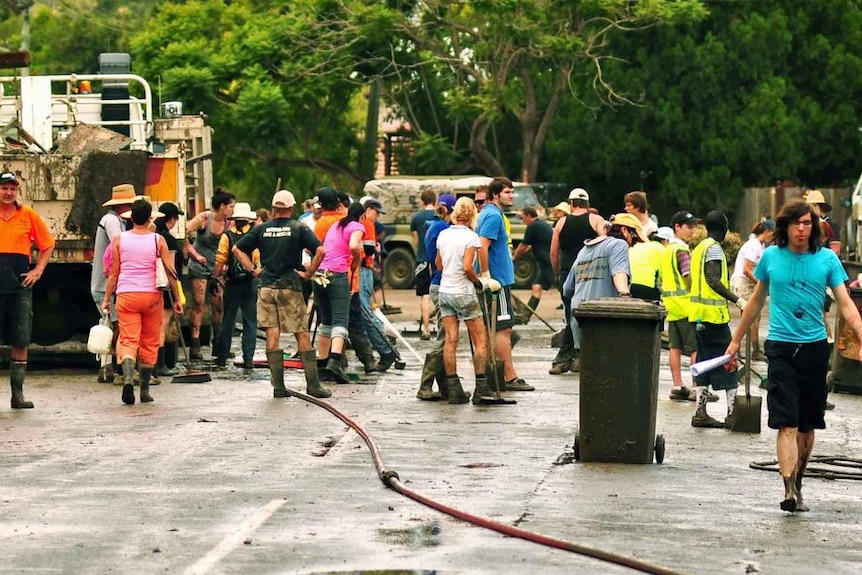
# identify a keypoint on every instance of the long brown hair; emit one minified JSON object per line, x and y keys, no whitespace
{"x":791,"y":212}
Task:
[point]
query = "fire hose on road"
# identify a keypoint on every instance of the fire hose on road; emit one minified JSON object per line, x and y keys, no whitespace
{"x":391,"y":480}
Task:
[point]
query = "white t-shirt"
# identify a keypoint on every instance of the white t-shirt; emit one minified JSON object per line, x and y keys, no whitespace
{"x":751,"y":250}
{"x":451,"y":245}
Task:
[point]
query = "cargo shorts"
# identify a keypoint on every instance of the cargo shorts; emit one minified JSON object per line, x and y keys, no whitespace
{"x":16,"y":318}
{"x":282,"y":308}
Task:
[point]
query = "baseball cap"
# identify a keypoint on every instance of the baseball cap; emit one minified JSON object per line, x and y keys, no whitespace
{"x":170,"y":210}
{"x":283,"y":199}
{"x":375,"y":205}
{"x":447,"y":200}
{"x":327,"y":198}
{"x":684,"y":218}
{"x":579,"y":194}
{"x":7,"y":177}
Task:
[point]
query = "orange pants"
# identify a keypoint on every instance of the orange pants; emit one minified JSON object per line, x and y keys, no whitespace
{"x":140,"y":319}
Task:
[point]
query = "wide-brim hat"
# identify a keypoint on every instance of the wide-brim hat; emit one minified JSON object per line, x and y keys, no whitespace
{"x":816,"y":197}
{"x":122,"y":194}
{"x":563,"y":207}
{"x":628,"y":220}
{"x":243,"y":211}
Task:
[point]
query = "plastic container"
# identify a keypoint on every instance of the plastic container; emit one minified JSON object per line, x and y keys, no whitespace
{"x":101,"y":336}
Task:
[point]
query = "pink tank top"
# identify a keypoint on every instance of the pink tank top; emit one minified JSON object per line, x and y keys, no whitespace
{"x":138,"y":254}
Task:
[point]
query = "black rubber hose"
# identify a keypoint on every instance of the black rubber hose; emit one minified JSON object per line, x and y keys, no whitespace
{"x":392,"y":481}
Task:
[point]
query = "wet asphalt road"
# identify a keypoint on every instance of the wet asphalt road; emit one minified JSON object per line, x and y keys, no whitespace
{"x":221,"y":478}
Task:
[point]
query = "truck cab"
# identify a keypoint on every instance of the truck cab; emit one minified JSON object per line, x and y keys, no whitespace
{"x":400,"y":198}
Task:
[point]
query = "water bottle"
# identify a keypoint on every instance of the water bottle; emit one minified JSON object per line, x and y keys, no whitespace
{"x":698,"y":325}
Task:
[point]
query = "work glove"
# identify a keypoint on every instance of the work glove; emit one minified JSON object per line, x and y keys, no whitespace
{"x":320,"y":279}
{"x":489,"y":283}
{"x":741,"y":303}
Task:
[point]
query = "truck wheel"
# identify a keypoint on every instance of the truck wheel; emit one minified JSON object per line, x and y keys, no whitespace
{"x":526,"y":269}
{"x":398,"y":268}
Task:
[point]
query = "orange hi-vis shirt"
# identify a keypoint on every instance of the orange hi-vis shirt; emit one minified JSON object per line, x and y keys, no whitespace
{"x":18,"y":233}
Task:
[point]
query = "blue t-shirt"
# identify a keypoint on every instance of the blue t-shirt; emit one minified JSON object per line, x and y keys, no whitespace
{"x":492,"y":226}
{"x":434,"y":228}
{"x":419,"y":224}
{"x":797,"y":289}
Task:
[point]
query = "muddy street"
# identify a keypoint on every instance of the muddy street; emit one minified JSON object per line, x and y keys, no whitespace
{"x":222,"y":478}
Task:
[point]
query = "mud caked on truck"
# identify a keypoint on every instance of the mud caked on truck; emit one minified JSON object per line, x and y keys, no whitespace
{"x":70,"y":139}
{"x":400,"y":198}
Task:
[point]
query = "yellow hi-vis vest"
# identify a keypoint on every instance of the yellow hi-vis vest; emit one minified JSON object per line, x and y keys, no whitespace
{"x":645,"y":261}
{"x":705,"y":304}
{"x":674,"y":294}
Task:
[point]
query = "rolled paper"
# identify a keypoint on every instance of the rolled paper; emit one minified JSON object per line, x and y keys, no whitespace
{"x":702,"y":367}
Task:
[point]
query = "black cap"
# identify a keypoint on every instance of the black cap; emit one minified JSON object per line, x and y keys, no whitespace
{"x":375,"y":204}
{"x":7,"y":177}
{"x":684,"y":218}
{"x":170,"y":210}
{"x":327,"y":198}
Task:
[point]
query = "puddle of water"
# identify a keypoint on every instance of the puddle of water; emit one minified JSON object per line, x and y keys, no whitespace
{"x":382,"y":572}
{"x":425,"y":535}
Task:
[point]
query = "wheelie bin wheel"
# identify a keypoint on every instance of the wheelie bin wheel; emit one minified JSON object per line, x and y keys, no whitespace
{"x":659,"y":448}
{"x":577,"y":447}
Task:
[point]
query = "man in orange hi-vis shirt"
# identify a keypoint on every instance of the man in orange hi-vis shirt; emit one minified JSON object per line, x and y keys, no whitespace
{"x":20,"y":228}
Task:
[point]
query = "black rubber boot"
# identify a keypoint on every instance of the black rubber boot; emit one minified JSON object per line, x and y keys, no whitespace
{"x":195,"y":349}
{"x":312,"y":382}
{"x":145,"y":374}
{"x":17,"y":372}
{"x":386,"y":362}
{"x":128,"y":381}
{"x":432,"y":366}
{"x":322,"y":374}
{"x":275,"y":359}
{"x":483,"y":391}
{"x":161,"y":368}
{"x":336,"y":370}
{"x":456,"y":392}
{"x":364,"y":351}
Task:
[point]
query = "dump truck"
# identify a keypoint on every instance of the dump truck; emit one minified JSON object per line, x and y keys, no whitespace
{"x":400,"y":196}
{"x":72,"y":138}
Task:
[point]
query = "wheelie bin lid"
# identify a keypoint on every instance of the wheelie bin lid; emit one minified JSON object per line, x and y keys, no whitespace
{"x":620,"y":308}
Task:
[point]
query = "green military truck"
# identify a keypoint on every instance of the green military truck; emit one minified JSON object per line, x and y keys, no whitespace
{"x":400,"y":198}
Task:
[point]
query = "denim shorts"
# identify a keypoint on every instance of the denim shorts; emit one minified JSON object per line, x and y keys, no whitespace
{"x":462,"y":306}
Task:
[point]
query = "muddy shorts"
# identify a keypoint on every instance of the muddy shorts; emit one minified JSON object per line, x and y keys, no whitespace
{"x":16,"y":318}
{"x":712,"y":342}
{"x":796,"y":392}
{"x":505,"y":313}
{"x":462,"y":306}
{"x":742,"y":287}
{"x":281,"y":308}
{"x":545,"y":278}
{"x":680,"y":334}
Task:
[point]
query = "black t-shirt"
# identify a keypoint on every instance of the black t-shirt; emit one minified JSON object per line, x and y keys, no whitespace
{"x":538,"y":235}
{"x":173,"y":246}
{"x":281,"y":243}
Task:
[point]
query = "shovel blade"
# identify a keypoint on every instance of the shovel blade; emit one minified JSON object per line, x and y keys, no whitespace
{"x":746,"y":414}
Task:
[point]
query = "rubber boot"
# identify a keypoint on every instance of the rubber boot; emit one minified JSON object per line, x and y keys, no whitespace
{"x":195,"y":349}
{"x":161,"y":368}
{"x":17,"y":372}
{"x":442,"y":384}
{"x":129,"y":381}
{"x":456,"y":392}
{"x":312,"y":382}
{"x":364,"y":351}
{"x":275,"y":359}
{"x":336,"y":370}
{"x":483,"y":391}
{"x":146,"y":374}
{"x":323,"y":375}
{"x":433,"y":363}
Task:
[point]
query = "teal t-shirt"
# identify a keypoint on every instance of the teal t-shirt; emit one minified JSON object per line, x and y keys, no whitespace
{"x":797,"y":290}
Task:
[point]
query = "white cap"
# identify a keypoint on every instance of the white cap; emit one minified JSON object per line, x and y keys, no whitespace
{"x":283,"y":199}
{"x":665,"y":233}
{"x":579,"y":194}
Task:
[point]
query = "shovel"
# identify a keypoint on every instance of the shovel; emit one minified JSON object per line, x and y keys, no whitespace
{"x":746,"y":410}
{"x":189,"y":376}
{"x":491,"y":324}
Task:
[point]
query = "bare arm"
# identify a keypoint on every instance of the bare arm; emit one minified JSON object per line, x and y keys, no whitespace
{"x":168,"y":261}
{"x":621,"y":283}
{"x":32,"y":276}
{"x":748,"y":270}
{"x":555,"y":246}
{"x":111,"y":286}
{"x":313,"y":264}
{"x":598,"y":223}
{"x":355,"y":244}
{"x":752,"y":310}
{"x":469,"y":270}
{"x":712,"y":272}
{"x":245,"y":261}
{"x":483,"y":260}
{"x":521,"y":250}
{"x":193,"y":225}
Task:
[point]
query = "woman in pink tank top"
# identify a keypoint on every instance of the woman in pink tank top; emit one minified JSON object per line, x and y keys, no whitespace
{"x":139,"y":301}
